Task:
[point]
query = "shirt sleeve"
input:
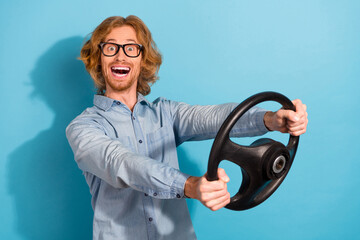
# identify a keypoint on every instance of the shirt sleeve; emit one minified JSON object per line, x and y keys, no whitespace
{"x":196,"y":122}
{"x":111,"y":161}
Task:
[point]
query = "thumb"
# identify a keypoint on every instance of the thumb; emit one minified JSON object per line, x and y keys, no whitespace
{"x":222,"y":175}
{"x":292,"y":116}
{"x":289,"y":115}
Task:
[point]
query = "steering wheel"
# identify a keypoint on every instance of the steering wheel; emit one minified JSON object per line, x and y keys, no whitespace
{"x":264,"y":164}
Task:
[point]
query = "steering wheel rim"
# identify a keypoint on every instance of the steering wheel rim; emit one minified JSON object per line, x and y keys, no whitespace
{"x":264,"y":164}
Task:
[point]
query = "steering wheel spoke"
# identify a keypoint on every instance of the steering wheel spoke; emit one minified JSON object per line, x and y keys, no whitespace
{"x":247,"y":157}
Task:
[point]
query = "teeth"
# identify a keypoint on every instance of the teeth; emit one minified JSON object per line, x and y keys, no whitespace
{"x":121,"y":68}
{"x":120,"y":71}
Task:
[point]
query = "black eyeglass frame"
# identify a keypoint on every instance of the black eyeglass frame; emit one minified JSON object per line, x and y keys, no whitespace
{"x":101,"y":45}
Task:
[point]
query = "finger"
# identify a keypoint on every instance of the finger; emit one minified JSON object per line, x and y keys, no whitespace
{"x":297,"y":102}
{"x":218,"y":203}
{"x":287,"y":114}
{"x":221,"y":205}
{"x":209,"y":196}
{"x":222,"y":175}
{"x":300,"y":107}
{"x":300,"y":122}
{"x":211,"y":186}
{"x":303,"y":121}
{"x":281,"y":113}
{"x":297,"y":129}
{"x":298,"y":133}
{"x":290,"y":115}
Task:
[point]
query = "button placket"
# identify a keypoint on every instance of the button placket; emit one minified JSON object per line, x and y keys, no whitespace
{"x":147,"y":201}
{"x":149,"y":216}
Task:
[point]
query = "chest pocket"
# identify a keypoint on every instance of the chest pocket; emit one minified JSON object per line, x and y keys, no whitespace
{"x":161,"y":144}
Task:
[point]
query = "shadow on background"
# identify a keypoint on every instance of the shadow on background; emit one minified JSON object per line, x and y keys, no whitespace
{"x":51,"y":196}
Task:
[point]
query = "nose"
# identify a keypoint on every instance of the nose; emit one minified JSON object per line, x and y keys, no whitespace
{"x":120,"y":55}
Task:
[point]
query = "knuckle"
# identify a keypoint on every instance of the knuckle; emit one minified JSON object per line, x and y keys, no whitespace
{"x":296,"y":101}
{"x":204,"y":198}
{"x":228,"y":195}
{"x":221,"y":185}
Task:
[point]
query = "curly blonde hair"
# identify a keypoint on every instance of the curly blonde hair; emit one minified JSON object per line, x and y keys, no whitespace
{"x":151,"y":58}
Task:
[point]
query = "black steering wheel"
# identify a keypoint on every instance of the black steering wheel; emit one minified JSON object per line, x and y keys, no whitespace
{"x":264,"y":164}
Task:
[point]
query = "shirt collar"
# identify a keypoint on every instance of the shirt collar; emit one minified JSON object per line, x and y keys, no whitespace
{"x":142,"y":99}
{"x":105,"y":103}
{"x":102,"y":102}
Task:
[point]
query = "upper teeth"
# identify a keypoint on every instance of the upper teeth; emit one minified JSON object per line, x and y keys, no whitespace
{"x":121,"y":68}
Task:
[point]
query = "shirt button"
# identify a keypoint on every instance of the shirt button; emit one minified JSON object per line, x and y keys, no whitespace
{"x":118,"y":103}
{"x":178,"y":196}
{"x":140,"y":141}
{"x":150,"y":219}
{"x":155,"y":194}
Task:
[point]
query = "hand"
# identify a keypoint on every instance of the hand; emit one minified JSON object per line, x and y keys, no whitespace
{"x":288,"y":121}
{"x":212,"y":194}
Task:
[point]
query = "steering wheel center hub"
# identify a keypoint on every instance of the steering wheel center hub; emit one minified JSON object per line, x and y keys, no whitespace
{"x":279,"y":164}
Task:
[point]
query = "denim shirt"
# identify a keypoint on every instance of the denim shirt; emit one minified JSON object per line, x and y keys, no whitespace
{"x":130,"y":162}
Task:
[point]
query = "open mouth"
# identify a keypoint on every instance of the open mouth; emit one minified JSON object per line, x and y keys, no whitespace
{"x":120,"y":71}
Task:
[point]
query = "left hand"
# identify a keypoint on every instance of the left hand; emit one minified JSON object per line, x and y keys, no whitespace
{"x":288,"y":121}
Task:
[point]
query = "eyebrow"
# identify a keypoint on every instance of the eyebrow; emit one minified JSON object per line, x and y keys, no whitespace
{"x":114,"y":40}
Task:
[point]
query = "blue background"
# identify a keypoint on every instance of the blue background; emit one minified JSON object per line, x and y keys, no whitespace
{"x":214,"y":52}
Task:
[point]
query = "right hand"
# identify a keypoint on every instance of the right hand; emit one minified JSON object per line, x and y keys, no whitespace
{"x":212,"y":194}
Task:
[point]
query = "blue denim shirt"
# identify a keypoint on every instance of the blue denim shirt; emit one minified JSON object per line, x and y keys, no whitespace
{"x":130,"y":163}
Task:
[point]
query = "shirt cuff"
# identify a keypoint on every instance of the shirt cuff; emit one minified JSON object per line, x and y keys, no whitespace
{"x":178,"y":186}
{"x":260,"y":121}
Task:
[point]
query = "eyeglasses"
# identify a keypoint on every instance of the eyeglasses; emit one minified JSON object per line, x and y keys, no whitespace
{"x":111,"y":49}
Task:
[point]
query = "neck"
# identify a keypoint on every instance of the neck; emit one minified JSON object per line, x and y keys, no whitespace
{"x":127,"y":98}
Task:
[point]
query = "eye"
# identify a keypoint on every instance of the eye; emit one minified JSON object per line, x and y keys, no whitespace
{"x":111,"y":48}
{"x":130,"y":48}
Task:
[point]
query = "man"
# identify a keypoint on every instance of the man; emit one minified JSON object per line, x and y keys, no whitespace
{"x":126,"y":146}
